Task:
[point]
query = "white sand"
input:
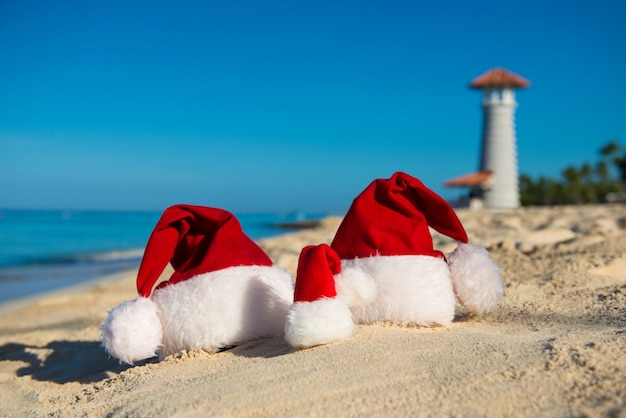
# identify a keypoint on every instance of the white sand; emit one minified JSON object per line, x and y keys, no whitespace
{"x":554,"y":347}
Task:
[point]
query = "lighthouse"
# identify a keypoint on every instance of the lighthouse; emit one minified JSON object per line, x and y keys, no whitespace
{"x":496,"y":183}
{"x":498,"y":148}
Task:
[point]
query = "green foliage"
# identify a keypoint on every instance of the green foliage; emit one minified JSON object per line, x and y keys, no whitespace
{"x":603,"y":182}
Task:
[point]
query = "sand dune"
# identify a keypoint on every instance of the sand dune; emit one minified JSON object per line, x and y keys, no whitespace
{"x":554,"y":347}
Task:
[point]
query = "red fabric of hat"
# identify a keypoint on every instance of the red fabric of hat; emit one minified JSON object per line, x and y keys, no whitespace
{"x":391,"y":217}
{"x":315,"y":279}
{"x":195,"y":240}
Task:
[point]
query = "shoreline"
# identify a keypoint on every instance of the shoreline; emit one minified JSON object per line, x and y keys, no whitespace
{"x":33,"y":280}
{"x":83,"y":286}
{"x":554,"y":346}
{"x":22,"y":282}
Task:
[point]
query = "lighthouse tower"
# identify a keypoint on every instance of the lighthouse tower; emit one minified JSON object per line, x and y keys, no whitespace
{"x":498,"y":150}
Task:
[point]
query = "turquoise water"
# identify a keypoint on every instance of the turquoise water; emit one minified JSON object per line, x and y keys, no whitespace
{"x":46,"y":250}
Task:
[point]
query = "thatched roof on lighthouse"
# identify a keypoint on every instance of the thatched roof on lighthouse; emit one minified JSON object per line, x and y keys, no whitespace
{"x":499,"y":77}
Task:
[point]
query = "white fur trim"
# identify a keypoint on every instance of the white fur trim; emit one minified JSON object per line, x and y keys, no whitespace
{"x":319,"y":322}
{"x":132,"y":331}
{"x":224,"y":308}
{"x":411,"y":290}
{"x":476,"y":278}
{"x":355,"y":286}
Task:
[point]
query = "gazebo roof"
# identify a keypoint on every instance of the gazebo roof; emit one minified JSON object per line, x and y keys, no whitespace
{"x":499,"y":77}
{"x":477,"y":178}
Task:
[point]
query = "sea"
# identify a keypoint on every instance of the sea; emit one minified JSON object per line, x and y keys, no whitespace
{"x":46,"y":250}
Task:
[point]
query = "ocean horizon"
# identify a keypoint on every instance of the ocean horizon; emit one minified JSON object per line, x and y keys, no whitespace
{"x":45,"y":250}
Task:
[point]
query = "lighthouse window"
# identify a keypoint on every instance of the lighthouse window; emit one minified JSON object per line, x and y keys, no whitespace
{"x":507,"y":96}
{"x":495,"y":96}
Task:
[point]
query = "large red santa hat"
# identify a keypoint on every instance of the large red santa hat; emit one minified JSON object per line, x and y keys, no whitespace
{"x":389,"y":268}
{"x":224,"y":289}
{"x":391,"y":217}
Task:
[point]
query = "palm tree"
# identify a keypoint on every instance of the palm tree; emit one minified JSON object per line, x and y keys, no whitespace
{"x":573,"y":184}
{"x":584,"y":184}
{"x":617,"y":154}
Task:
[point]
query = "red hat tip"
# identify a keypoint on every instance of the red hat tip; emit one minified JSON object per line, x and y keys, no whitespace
{"x":315,"y":279}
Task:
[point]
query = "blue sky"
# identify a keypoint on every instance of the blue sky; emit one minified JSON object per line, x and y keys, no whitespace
{"x":289,"y":105}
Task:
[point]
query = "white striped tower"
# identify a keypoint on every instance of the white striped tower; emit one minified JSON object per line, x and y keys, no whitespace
{"x":498,"y":149}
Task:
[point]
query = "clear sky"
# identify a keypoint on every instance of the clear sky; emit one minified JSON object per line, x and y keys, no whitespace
{"x":289,"y":105}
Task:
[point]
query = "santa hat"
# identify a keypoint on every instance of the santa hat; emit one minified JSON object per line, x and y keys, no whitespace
{"x":317,"y":315}
{"x":195,"y":240}
{"x":389,"y":270}
{"x":391,"y":217}
{"x":219,"y":275}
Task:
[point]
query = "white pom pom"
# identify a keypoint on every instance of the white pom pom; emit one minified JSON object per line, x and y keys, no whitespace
{"x":476,"y":278}
{"x":132,"y":331}
{"x":356,"y":287}
{"x":319,"y":322}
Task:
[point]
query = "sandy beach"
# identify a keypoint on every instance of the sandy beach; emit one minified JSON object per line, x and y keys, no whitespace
{"x":554,"y":347}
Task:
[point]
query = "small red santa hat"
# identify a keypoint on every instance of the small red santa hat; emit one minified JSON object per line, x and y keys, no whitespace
{"x":317,"y":267}
{"x":195,"y":240}
{"x":317,"y":315}
{"x":209,"y":253}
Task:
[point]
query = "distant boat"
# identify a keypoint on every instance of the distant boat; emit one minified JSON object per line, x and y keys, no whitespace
{"x":299,"y":220}
{"x":299,"y":224}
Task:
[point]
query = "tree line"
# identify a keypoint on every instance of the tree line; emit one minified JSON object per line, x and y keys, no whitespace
{"x":602,"y":182}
